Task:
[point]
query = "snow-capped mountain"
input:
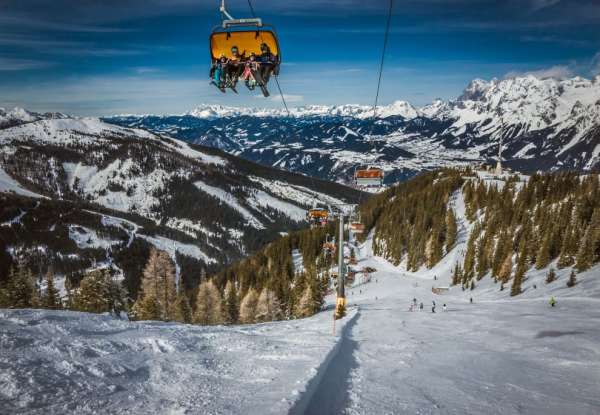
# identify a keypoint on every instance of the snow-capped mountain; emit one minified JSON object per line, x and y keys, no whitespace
{"x":18,"y":116}
{"x":545,"y":124}
{"x":81,"y":191}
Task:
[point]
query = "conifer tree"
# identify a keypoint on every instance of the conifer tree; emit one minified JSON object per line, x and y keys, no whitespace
{"x":51,"y":297}
{"x":585,"y":255}
{"x":457,"y":275}
{"x":158,"y":288}
{"x":551,"y":276}
{"x":469,"y":264}
{"x":183,"y":310}
{"x":209,"y":305}
{"x":146,"y":308}
{"x":19,"y":291}
{"x":93,"y":295}
{"x":306,"y":306}
{"x":268,"y":307}
{"x":568,"y":249}
{"x":572,"y":280}
{"x":543,"y":253}
{"x":231,"y":303}
{"x":506,"y":269}
{"x":248,"y":307}
{"x":451,"y":229}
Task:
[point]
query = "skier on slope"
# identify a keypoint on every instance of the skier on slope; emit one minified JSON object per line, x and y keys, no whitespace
{"x":552,"y":301}
{"x":444,"y":307}
{"x":433,"y":306}
{"x":421,"y":306}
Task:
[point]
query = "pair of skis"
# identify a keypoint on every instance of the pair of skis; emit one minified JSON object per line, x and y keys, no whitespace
{"x":221,"y":88}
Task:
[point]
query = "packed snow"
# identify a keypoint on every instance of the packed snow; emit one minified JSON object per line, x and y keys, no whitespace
{"x":8,"y":184}
{"x":497,"y":355}
{"x":66,"y":362}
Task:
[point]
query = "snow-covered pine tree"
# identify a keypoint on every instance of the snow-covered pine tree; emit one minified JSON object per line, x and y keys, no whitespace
{"x":248,"y":307}
{"x":209,"y":305}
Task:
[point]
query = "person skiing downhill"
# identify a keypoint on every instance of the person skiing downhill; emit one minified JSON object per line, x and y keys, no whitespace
{"x":444,"y":307}
{"x":552,"y":301}
{"x":421,"y":306}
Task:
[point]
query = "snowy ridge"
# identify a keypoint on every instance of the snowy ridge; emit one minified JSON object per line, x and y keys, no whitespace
{"x":546,"y":124}
{"x":151,"y":190}
{"x":398,"y":108}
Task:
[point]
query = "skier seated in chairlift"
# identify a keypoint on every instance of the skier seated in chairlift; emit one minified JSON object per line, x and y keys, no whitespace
{"x":268,"y":65}
{"x":250,"y":68}
{"x":218,"y":73}
{"x":235,"y":66}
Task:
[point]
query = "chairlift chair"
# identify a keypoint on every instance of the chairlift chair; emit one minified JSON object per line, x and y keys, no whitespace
{"x":369,"y":177}
{"x":246,"y":34}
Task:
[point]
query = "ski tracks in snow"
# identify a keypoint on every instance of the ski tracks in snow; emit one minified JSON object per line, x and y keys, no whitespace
{"x":329,"y":391}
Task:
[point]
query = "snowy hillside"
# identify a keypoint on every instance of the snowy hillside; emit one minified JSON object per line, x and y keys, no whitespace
{"x":546,"y":124}
{"x":129,"y":189}
{"x":496,"y":356}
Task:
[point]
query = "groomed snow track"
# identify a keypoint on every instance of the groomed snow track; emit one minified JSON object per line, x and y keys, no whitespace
{"x":328,"y":391}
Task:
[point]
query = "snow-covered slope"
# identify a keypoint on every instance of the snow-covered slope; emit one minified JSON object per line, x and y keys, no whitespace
{"x":496,"y":356}
{"x":546,"y":124}
{"x":197,"y":202}
{"x":77,"y":363}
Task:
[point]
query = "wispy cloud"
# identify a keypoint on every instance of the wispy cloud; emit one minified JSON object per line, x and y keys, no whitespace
{"x":8,"y":64}
{"x":288,"y":98}
{"x":557,"y":72}
{"x":23,"y":21}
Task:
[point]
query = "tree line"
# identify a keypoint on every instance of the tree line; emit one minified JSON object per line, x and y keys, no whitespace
{"x":264,"y":287}
{"x":548,"y":219}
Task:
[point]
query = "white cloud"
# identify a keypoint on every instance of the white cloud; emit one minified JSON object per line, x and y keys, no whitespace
{"x":557,"y":72}
{"x":288,"y":98}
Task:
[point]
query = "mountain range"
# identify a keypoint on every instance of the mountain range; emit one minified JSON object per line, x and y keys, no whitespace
{"x":544,"y":124}
{"x":77,"y":193}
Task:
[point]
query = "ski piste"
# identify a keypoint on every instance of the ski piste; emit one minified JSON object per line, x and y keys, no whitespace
{"x":496,"y":355}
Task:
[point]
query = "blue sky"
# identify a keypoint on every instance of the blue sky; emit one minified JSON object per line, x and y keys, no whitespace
{"x":89,"y":57}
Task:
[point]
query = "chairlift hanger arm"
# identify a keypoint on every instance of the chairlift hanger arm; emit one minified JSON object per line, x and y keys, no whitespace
{"x":232,"y":21}
{"x":224,"y":11}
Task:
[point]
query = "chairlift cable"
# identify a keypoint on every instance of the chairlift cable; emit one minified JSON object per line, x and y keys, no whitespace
{"x":385,"y":43}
